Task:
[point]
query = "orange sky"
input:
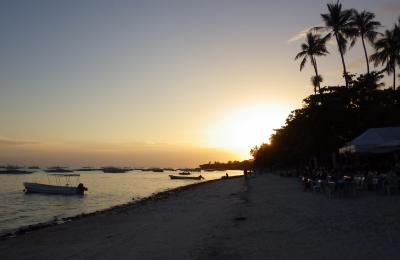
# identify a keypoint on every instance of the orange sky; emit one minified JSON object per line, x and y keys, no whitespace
{"x":155,"y":83}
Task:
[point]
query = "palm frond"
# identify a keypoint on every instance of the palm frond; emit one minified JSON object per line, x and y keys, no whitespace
{"x":300,"y":54}
{"x":353,"y":42}
{"x":303,"y":62}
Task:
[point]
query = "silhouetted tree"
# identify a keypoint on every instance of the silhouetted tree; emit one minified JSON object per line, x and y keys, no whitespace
{"x":388,"y":53}
{"x":328,"y":120}
{"x":338,"y":24}
{"x":365,"y":28}
{"x":316,"y":82}
{"x":314,"y":46}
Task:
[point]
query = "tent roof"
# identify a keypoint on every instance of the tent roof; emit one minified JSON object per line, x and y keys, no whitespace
{"x":383,"y":139}
{"x":377,"y":136}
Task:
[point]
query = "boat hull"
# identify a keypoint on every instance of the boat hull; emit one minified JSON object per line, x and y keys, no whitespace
{"x":31,"y":187}
{"x":174,"y":177}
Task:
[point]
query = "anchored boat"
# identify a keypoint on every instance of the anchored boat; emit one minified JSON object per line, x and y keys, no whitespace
{"x":58,"y":169}
{"x":115,"y":170}
{"x":184,"y":173}
{"x":175,"y":177}
{"x":64,"y":184}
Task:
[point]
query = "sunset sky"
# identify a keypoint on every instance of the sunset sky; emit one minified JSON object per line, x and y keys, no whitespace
{"x":155,"y":83}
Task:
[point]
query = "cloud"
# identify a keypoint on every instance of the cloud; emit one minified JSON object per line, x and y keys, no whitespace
{"x":10,"y":141}
{"x":300,"y":35}
{"x":390,"y":8}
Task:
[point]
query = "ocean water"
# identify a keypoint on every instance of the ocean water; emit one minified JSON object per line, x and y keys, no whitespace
{"x":105,"y":190}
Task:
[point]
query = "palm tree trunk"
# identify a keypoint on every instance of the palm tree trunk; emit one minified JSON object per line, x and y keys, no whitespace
{"x":394,"y":77}
{"x":316,"y":72}
{"x":365,"y":52}
{"x":341,"y":55}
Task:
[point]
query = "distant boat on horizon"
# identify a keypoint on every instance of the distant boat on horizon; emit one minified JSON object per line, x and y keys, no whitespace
{"x":58,"y":169}
{"x":153,"y":170}
{"x":87,"y":169}
{"x":113,"y":169}
{"x":169,"y":169}
{"x":190,"y":169}
{"x":15,"y":171}
{"x":184,"y":173}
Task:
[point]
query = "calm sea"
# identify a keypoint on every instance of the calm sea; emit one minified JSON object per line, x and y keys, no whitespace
{"x":18,"y":209}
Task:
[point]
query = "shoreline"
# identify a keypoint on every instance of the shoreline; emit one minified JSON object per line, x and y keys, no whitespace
{"x":265,"y":217}
{"x":117,"y":209}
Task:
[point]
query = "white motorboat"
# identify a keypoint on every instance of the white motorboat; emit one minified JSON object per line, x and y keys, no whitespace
{"x":65,"y":184}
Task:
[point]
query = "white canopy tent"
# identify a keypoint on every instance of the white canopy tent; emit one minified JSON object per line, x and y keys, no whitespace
{"x":375,"y":140}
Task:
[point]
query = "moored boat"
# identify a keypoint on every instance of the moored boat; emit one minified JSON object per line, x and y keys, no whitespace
{"x":184,"y":173}
{"x":15,"y":171}
{"x":115,"y":170}
{"x":190,"y":169}
{"x":87,"y":169}
{"x":58,"y":169}
{"x":175,"y":177}
{"x":66,"y":189}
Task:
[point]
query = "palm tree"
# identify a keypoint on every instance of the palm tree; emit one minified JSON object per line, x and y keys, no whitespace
{"x":338,"y":24}
{"x":316,"y":81}
{"x":365,"y":27}
{"x":314,"y":46}
{"x":387,"y":52}
{"x":396,"y":32}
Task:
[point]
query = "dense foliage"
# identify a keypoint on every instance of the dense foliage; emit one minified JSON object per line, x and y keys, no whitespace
{"x":335,"y":115}
{"x":330,"y":119}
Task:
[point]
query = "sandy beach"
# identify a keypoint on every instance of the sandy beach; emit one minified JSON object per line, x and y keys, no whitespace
{"x":267,"y":217}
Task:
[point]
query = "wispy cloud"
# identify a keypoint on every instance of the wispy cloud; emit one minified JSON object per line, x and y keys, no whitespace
{"x":10,"y":141}
{"x":390,"y":8}
{"x":300,"y":35}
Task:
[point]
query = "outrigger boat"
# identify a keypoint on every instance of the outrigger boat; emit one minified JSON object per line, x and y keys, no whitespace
{"x":174,"y":177}
{"x":64,"y":184}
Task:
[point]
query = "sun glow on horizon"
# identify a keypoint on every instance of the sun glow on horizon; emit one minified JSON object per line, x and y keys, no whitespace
{"x":247,"y":126}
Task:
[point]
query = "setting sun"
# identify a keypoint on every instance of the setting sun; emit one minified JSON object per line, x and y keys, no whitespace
{"x":247,"y":126}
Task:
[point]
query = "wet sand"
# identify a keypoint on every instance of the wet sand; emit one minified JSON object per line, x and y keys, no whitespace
{"x":267,"y":217}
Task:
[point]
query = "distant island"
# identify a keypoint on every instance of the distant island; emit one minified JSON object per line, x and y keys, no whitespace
{"x":230,"y":165}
